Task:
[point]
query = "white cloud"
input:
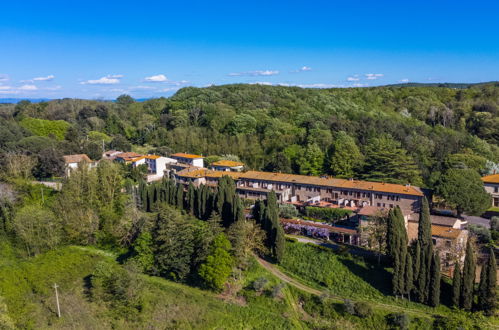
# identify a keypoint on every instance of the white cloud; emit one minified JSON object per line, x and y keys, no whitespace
{"x":354,"y":78}
{"x":107,"y":80}
{"x":47,"y":78}
{"x":305,"y":68}
{"x":28,"y":88}
{"x":4,"y":77}
{"x":118,"y":76}
{"x":359,"y":85}
{"x":142,"y":88}
{"x":156,"y":78}
{"x":373,"y":76}
{"x":255,"y":73}
{"x":405,"y":80}
{"x":168,"y":89}
{"x":5,"y":87}
{"x":54,"y":88}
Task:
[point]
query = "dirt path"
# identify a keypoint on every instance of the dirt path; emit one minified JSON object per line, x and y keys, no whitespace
{"x":272,"y":269}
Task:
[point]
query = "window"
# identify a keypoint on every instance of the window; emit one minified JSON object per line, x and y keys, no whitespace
{"x":496,"y":189}
{"x":391,"y":206}
{"x":448,"y":243}
{"x":434,"y":241}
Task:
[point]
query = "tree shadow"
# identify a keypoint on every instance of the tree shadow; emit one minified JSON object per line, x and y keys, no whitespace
{"x":376,"y":276}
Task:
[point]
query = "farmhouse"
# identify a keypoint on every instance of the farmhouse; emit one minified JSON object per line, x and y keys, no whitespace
{"x":72,"y":161}
{"x":338,"y":192}
{"x":189,"y":159}
{"x":491,"y":184}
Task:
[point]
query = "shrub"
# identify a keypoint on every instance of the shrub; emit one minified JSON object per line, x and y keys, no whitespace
{"x":349,"y":306}
{"x":494,"y":223}
{"x":327,"y":214}
{"x":288,"y":211}
{"x":363,"y":309}
{"x":259,"y":284}
{"x":118,"y":287}
{"x":277,"y":291}
{"x":481,"y":232}
{"x":398,"y":320}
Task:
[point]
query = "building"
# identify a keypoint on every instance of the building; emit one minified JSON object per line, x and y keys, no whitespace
{"x":227,"y":165}
{"x":111,"y":154}
{"x":199,"y":176}
{"x":156,"y":165}
{"x":132,"y":158}
{"x":72,"y":162}
{"x":338,"y":192}
{"x":189,"y":159}
{"x":448,"y":235}
{"x":491,"y":184}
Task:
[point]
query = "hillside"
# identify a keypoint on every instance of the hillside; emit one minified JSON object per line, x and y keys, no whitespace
{"x":287,"y":129}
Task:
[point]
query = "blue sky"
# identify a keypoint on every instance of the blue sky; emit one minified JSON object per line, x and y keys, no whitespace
{"x":101,"y":49}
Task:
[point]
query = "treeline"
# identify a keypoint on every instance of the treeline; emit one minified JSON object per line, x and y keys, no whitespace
{"x":230,"y":232}
{"x":416,"y":267}
{"x":393,"y":134}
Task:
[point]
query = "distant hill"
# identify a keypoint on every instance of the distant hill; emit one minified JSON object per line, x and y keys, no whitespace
{"x":445,"y":85}
{"x":14,"y":100}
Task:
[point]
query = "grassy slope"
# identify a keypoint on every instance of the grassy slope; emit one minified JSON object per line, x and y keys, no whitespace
{"x":355,"y":279}
{"x":26,"y":288}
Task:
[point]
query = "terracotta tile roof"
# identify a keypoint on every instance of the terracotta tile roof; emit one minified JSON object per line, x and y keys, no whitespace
{"x":227,"y":163}
{"x":76,"y":158}
{"x":370,"y":211}
{"x":152,"y":156}
{"x":219,"y":174}
{"x":333,"y":182}
{"x":333,"y":229}
{"x":182,"y":155}
{"x":136,"y":159}
{"x":494,"y":178}
{"x":436,"y":231}
{"x":445,"y":232}
{"x":195,"y":172}
{"x":192,"y":174}
{"x":128,"y":156}
{"x":291,"y":178}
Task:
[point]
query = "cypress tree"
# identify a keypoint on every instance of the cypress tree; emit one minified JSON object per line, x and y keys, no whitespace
{"x":397,"y":245}
{"x":190,"y":198}
{"x":408,"y":274}
{"x":179,"y":197}
{"x":456,"y":285}
{"x":468,"y":279}
{"x":434,"y":296}
{"x":280,"y":242}
{"x":416,"y":251}
{"x":487,"y":298}
{"x":425,"y":252}
{"x":258,"y":211}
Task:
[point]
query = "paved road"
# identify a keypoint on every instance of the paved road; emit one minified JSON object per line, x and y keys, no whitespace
{"x":477,"y":220}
